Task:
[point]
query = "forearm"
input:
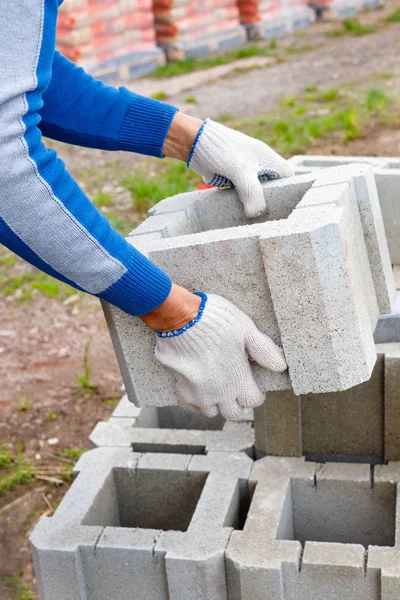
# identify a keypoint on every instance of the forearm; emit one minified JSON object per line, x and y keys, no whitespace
{"x":81,"y":110}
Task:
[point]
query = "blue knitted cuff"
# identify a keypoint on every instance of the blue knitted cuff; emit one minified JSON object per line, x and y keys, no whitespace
{"x":192,"y":149}
{"x":145,"y":126}
{"x":167,"y":334}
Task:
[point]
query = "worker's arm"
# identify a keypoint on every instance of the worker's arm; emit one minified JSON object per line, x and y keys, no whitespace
{"x":81,"y":110}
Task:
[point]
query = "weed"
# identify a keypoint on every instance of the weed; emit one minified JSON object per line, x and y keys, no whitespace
{"x":226,"y":116}
{"x":110,"y":401}
{"x":6,"y":459}
{"x":9,"y":260}
{"x":51,"y":415}
{"x":352,"y":27}
{"x":25,"y":404}
{"x":168,"y":179}
{"x":310,"y":88}
{"x":20,"y":589}
{"x":273,"y":44}
{"x":394,"y":17}
{"x":73,"y":453}
{"x":161,"y":95}
{"x":103,"y":199}
{"x":377,"y":99}
{"x":289,"y":100}
{"x":83,"y":381}
{"x":329,"y":95}
{"x":191,"y":100}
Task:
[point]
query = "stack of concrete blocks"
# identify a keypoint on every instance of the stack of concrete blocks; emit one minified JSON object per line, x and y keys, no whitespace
{"x":187,"y":28}
{"x":113,"y":40}
{"x":170,"y":505}
{"x":332,"y":10}
{"x":151,"y":527}
{"x":171,"y":429}
{"x":387,"y":176}
{"x":266,"y":19}
{"x":314,"y":277}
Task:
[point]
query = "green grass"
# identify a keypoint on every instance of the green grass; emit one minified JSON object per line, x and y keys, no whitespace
{"x":161,"y":95}
{"x":394,"y":17}
{"x":103,"y":199}
{"x":111,"y":401}
{"x":298,"y":126}
{"x":168,"y":178}
{"x":18,"y":588}
{"x":310,"y":88}
{"x":51,"y":415}
{"x":82,"y":380}
{"x":72,"y":453}
{"x":189,"y":65}
{"x":191,"y":100}
{"x":25,"y":404}
{"x":352,"y":27}
{"x":6,"y":459}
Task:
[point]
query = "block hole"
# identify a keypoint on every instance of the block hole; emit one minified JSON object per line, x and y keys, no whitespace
{"x":240,"y":505}
{"x":346,"y":512}
{"x":175,"y":417}
{"x":143,"y":447}
{"x":148,"y":499}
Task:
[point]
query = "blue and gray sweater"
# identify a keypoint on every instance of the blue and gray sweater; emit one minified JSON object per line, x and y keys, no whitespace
{"x":44,"y":216}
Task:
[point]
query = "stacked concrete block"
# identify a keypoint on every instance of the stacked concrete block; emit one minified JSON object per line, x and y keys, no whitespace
{"x":270,"y":19}
{"x":171,"y":429}
{"x":186,"y":28}
{"x":387,"y":177}
{"x":358,"y":425}
{"x":114,"y":40}
{"x":147,"y":526}
{"x":316,"y":532}
{"x":315,"y":275}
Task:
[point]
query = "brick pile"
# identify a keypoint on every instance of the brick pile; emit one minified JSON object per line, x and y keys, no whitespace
{"x":186,"y":28}
{"x":265,"y":19}
{"x":112,"y":39}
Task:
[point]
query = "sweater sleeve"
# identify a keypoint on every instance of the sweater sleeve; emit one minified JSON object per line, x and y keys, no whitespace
{"x":81,"y":110}
{"x":44,"y":216}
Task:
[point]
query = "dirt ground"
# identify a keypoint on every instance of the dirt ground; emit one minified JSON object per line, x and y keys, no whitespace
{"x":42,"y":343}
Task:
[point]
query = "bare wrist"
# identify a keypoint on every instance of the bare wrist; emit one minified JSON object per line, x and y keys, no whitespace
{"x":181,"y":135}
{"x":175,"y":312}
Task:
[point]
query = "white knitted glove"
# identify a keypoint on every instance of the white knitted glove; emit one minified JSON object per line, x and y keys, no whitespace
{"x":210,"y":358}
{"x":225,"y":157}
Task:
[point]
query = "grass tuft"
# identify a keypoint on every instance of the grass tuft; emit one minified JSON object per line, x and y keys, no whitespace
{"x":352,"y":27}
{"x":83,"y":381}
{"x":25,"y":404}
{"x":394,"y":17}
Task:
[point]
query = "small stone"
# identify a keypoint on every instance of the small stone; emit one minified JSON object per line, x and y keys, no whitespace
{"x":53,"y":441}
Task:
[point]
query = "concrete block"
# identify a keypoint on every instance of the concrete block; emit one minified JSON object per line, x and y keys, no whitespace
{"x":316,"y":532}
{"x":156,"y":526}
{"x":388,"y":327}
{"x":392,"y":402}
{"x":387,"y":177}
{"x":148,"y":435}
{"x":277,"y":425}
{"x":337,"y":240}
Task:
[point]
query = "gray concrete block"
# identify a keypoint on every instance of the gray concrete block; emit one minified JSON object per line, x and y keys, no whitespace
{"x":316,"y":532}
{"x":235,"y":437}
{"x":131,"y":523}
{"x":388,"y":327}
{"x":277,"y":425}
{"x":387,"y":174}
{"x":208,"y":260}
{"x":392,"y":402}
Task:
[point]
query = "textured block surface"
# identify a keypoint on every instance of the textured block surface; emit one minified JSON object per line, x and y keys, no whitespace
{"x":308,"y":530}
{"x":314,"y":276}
{"x":387,"y":177}
{"x":154,"y":525}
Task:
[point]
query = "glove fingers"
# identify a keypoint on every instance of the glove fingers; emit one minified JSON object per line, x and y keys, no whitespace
{"x":271,"y":160}
{"x":230,"y":410}
{"x":251,"y":194}
{"x":262,"y":349}
{"x":210,"y":411}
{"x":252,"y":398}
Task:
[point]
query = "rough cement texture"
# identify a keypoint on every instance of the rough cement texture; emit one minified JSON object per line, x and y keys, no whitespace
{"x":329,"y":427}
{"x":171,"y":429}
{"x":387,"y":177}
{"x":285,"y":272}
{"x":388,"y":326}
{"x":153,"y":525}
{"x":307,"y":532}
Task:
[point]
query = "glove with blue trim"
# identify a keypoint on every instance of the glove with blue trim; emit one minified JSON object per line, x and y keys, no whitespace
{"x":210,"y":359}
{"x":228,"y":158}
